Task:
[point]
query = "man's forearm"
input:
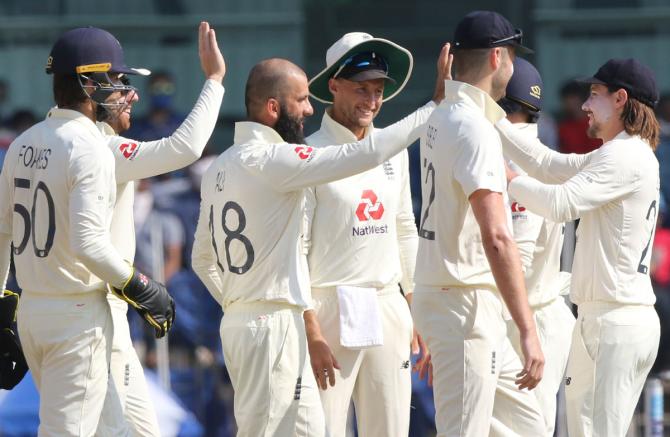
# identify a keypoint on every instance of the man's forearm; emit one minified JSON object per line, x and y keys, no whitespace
{"x":312,"y":327}
{"x":503,"y":257}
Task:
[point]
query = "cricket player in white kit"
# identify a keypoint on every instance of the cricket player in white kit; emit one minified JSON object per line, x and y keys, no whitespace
{"x":58,"y":177}
{"x":467,"y":258}
{"x":614,"y":191}
{"x":540,"y":242}
{"x":362,"y":243}
{"x":249,"y":248}
{"x":138,"y":160}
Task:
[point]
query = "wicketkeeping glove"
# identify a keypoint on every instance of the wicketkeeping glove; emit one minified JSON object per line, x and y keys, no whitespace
{"x":13,"y":366}
{"x":150,"y":299}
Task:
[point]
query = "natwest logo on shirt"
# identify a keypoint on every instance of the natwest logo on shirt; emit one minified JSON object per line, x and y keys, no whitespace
{"x":516,"y":207}
{"x":370,"y":207}
{"x":304,"y":152}
{"x":129,"y":150}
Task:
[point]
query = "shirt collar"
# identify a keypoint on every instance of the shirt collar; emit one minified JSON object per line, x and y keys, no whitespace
{"x":455,"y":91}
{"x":337,"y":131}
{"x":252,"y":132}
{"x":105,"y":128}
{"x":623,"y":135}
{"x":69,"y":114}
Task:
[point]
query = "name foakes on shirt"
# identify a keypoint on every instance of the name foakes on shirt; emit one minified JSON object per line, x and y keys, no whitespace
{"x":34,"y":157}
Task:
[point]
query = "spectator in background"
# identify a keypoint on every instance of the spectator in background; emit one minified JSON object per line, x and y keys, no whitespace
{"x":573,"y":122}
{"x":660,"y":279}
{"x":162,"y":119}
{"x":196,"y":358}
{"x":21,"y":120}
{"x":13,"y":127}
{"x":4,"y":102}
{"x":156,"y":231}
{"x":663,"y":149}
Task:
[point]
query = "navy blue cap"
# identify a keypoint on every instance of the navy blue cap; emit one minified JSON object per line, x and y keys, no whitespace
{"x":364,"y":66}
{"x":88,"y":50}
{"x":487,"y":29}
{"x":525,"y":86}
{"x":636,"y":78}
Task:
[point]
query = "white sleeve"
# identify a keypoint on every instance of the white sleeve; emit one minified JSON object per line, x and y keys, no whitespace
{"x":203,"y":257}
{"x":526,"y":227}
{"x":5,"y":224}
{"x":310,"y":208}
{"x":289,"y":167}
{"x":138,"y":160}
{"x":408,"y":240}
{"x":535,"y":158}
{"x":478,"y":164}
{"x":603,"y":180}
{"x":91,"y":185}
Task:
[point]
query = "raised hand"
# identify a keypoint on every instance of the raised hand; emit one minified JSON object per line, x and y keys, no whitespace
{"x":444,"y":62}
{"x":211,"y":59}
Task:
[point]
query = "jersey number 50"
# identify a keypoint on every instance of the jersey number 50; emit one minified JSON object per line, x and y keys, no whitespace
{"x":232,"y":234}
{"x":29,"y":218}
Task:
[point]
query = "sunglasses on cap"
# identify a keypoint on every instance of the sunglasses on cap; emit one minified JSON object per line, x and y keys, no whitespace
{"x":518,"y":37}
{"x":363,"y":61}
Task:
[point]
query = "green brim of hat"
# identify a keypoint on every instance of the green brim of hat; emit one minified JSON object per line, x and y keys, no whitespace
{"x":399,"y":60}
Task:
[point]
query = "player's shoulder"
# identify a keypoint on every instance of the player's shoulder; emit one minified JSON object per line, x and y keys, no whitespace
{"x":318,"y":138}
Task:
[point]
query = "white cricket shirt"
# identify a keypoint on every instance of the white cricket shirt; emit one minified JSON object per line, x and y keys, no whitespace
{"x":361,"y":228}
{"x":615,"y":192}
{"x":540,"y":242}
{"x":248,"y":243}
{"x":57,"y":194}
{"x":460,"y":154}
{"x":138,"y":160}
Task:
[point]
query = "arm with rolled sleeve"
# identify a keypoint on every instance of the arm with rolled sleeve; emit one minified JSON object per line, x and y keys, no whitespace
{"x":90,"y":186}
{"x":289,"y":167}
{"x":603,"y":180}
{"x":479,"y":169}
{"x":139,"y":160}
{"x":535,"y":158}
{"x":203,"y":258}
{"x":408,"y":240}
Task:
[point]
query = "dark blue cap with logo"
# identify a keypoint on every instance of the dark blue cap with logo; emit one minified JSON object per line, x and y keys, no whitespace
{"x":636,"y":78}
{"x":487,"y":29}
{"x":88,"y":50}
{"x":525,"y":86}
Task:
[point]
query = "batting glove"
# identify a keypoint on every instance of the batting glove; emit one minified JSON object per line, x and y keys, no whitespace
{"x":150,"y":299}
{"x":13,"y":366}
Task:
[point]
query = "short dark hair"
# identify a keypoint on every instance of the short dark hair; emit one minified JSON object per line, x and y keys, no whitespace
{"x":67,"y":91}
{"x":470,"y":61}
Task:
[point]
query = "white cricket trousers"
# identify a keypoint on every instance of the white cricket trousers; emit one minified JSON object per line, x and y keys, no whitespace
{"x":265,"y":351}
{"x":554,"y":322}
{"x":613,"y":349}
{"x":378,"y":379}
{"x":67,"y":342}
{"x":474,"y":364}
{"x":128,"y":379}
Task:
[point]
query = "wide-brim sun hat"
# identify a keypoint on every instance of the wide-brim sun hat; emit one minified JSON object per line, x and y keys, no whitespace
{"x":399,"y":61}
